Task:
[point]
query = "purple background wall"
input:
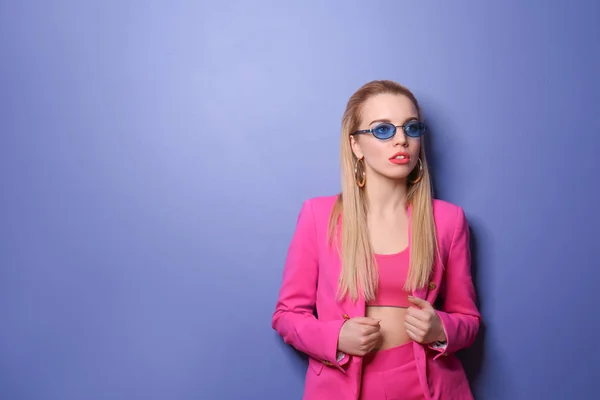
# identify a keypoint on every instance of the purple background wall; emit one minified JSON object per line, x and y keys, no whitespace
{"x":154,"y":156}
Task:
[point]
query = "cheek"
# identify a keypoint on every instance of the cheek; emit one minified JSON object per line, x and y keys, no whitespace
{"x":379,"y":153}
{"x":414,"y":145}
{"x":372,"y":148}
{"x":415,"y":149}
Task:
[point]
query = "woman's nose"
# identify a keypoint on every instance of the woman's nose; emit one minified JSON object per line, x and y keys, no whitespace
{"x":400,"y":138}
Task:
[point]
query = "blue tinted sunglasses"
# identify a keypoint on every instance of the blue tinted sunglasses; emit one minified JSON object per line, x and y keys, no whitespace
{"x":387,"y":130}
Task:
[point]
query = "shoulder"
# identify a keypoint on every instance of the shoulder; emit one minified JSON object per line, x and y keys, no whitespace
{"x":444,"y":209}
{"x":320,"y":206}
{"x":314,"y":215}
{"x":449,"y":217}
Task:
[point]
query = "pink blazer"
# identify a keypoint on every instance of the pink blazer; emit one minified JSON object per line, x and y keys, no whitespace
{"x":310,"y":279}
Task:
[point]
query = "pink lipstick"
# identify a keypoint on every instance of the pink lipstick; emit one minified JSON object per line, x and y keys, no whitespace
{"x":400,"y":158}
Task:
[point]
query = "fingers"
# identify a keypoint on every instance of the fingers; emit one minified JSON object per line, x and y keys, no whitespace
{"x":374,"y":337}
{"x":366,"y":325}
{"x":421,"y":315}
{"x":367,"y":330}
{"x":415,"y":323}
{"x":367,"y":321}
{"x":421,"y":303}
{"x":370,"y":342}
{"x":377,"y":340}
{"x":415,"y":334}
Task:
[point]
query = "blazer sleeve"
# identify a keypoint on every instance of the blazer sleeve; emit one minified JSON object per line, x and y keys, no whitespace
{"x":459,"y":314}
{"x":294,"y":317}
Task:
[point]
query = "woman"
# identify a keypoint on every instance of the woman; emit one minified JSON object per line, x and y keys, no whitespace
{"x":377,"y":287}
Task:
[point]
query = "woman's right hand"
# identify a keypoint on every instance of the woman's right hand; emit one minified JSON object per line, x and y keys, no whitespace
{"x":359,"y":336}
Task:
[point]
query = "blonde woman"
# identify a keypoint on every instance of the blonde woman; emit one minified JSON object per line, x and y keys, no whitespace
{"x":377,"y":287}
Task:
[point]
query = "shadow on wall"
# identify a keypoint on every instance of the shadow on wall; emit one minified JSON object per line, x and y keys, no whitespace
{"x":473,"y":357}
{"x":436,"y":151}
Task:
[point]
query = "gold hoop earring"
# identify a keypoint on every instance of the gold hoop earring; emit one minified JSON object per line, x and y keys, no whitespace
{"x":360,"y":177}
{"x":420,"y":176}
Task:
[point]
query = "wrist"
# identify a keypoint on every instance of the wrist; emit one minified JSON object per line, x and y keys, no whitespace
{"x":339,"y":347}
{"x":441,"y":338}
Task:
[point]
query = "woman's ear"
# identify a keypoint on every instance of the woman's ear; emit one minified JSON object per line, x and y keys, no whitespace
{"x":355,"y":147}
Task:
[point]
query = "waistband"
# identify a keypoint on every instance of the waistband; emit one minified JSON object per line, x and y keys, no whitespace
{"x":387,"y":359}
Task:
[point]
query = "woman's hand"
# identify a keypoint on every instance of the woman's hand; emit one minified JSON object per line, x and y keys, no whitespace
{"x":359,"y":336}
{"x":423,"y":325}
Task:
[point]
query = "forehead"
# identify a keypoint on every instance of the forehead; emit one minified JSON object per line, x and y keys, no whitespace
{"x":394,"y":107}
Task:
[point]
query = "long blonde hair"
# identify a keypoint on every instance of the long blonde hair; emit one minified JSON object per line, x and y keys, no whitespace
{"x":359,"y":273}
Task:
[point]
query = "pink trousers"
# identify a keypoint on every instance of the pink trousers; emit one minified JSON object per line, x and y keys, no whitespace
{"x":391,"y":374}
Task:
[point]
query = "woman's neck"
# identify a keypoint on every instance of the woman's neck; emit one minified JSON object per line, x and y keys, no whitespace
{"x":386,"y":197}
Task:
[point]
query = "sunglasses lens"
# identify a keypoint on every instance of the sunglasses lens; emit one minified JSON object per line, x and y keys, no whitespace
{"x":384,"y":131}
{"x":414,"y":128}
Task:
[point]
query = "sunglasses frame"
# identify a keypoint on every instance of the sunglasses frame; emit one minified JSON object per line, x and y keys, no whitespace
{"x":403,"y":127}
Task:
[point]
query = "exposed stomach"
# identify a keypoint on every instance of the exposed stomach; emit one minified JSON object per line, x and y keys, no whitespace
{"x":392,"y":329}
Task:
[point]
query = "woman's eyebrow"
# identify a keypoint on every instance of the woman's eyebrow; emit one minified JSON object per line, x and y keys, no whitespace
{"x":388,"y":120}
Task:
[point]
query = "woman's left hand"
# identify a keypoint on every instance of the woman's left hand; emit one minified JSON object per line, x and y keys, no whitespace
{"x":423,"y":325}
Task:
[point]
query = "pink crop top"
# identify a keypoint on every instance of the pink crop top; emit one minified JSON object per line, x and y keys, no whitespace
{"x":393,"y":270}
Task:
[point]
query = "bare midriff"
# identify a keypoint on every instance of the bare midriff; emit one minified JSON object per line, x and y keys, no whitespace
{"x":392,"y":329}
